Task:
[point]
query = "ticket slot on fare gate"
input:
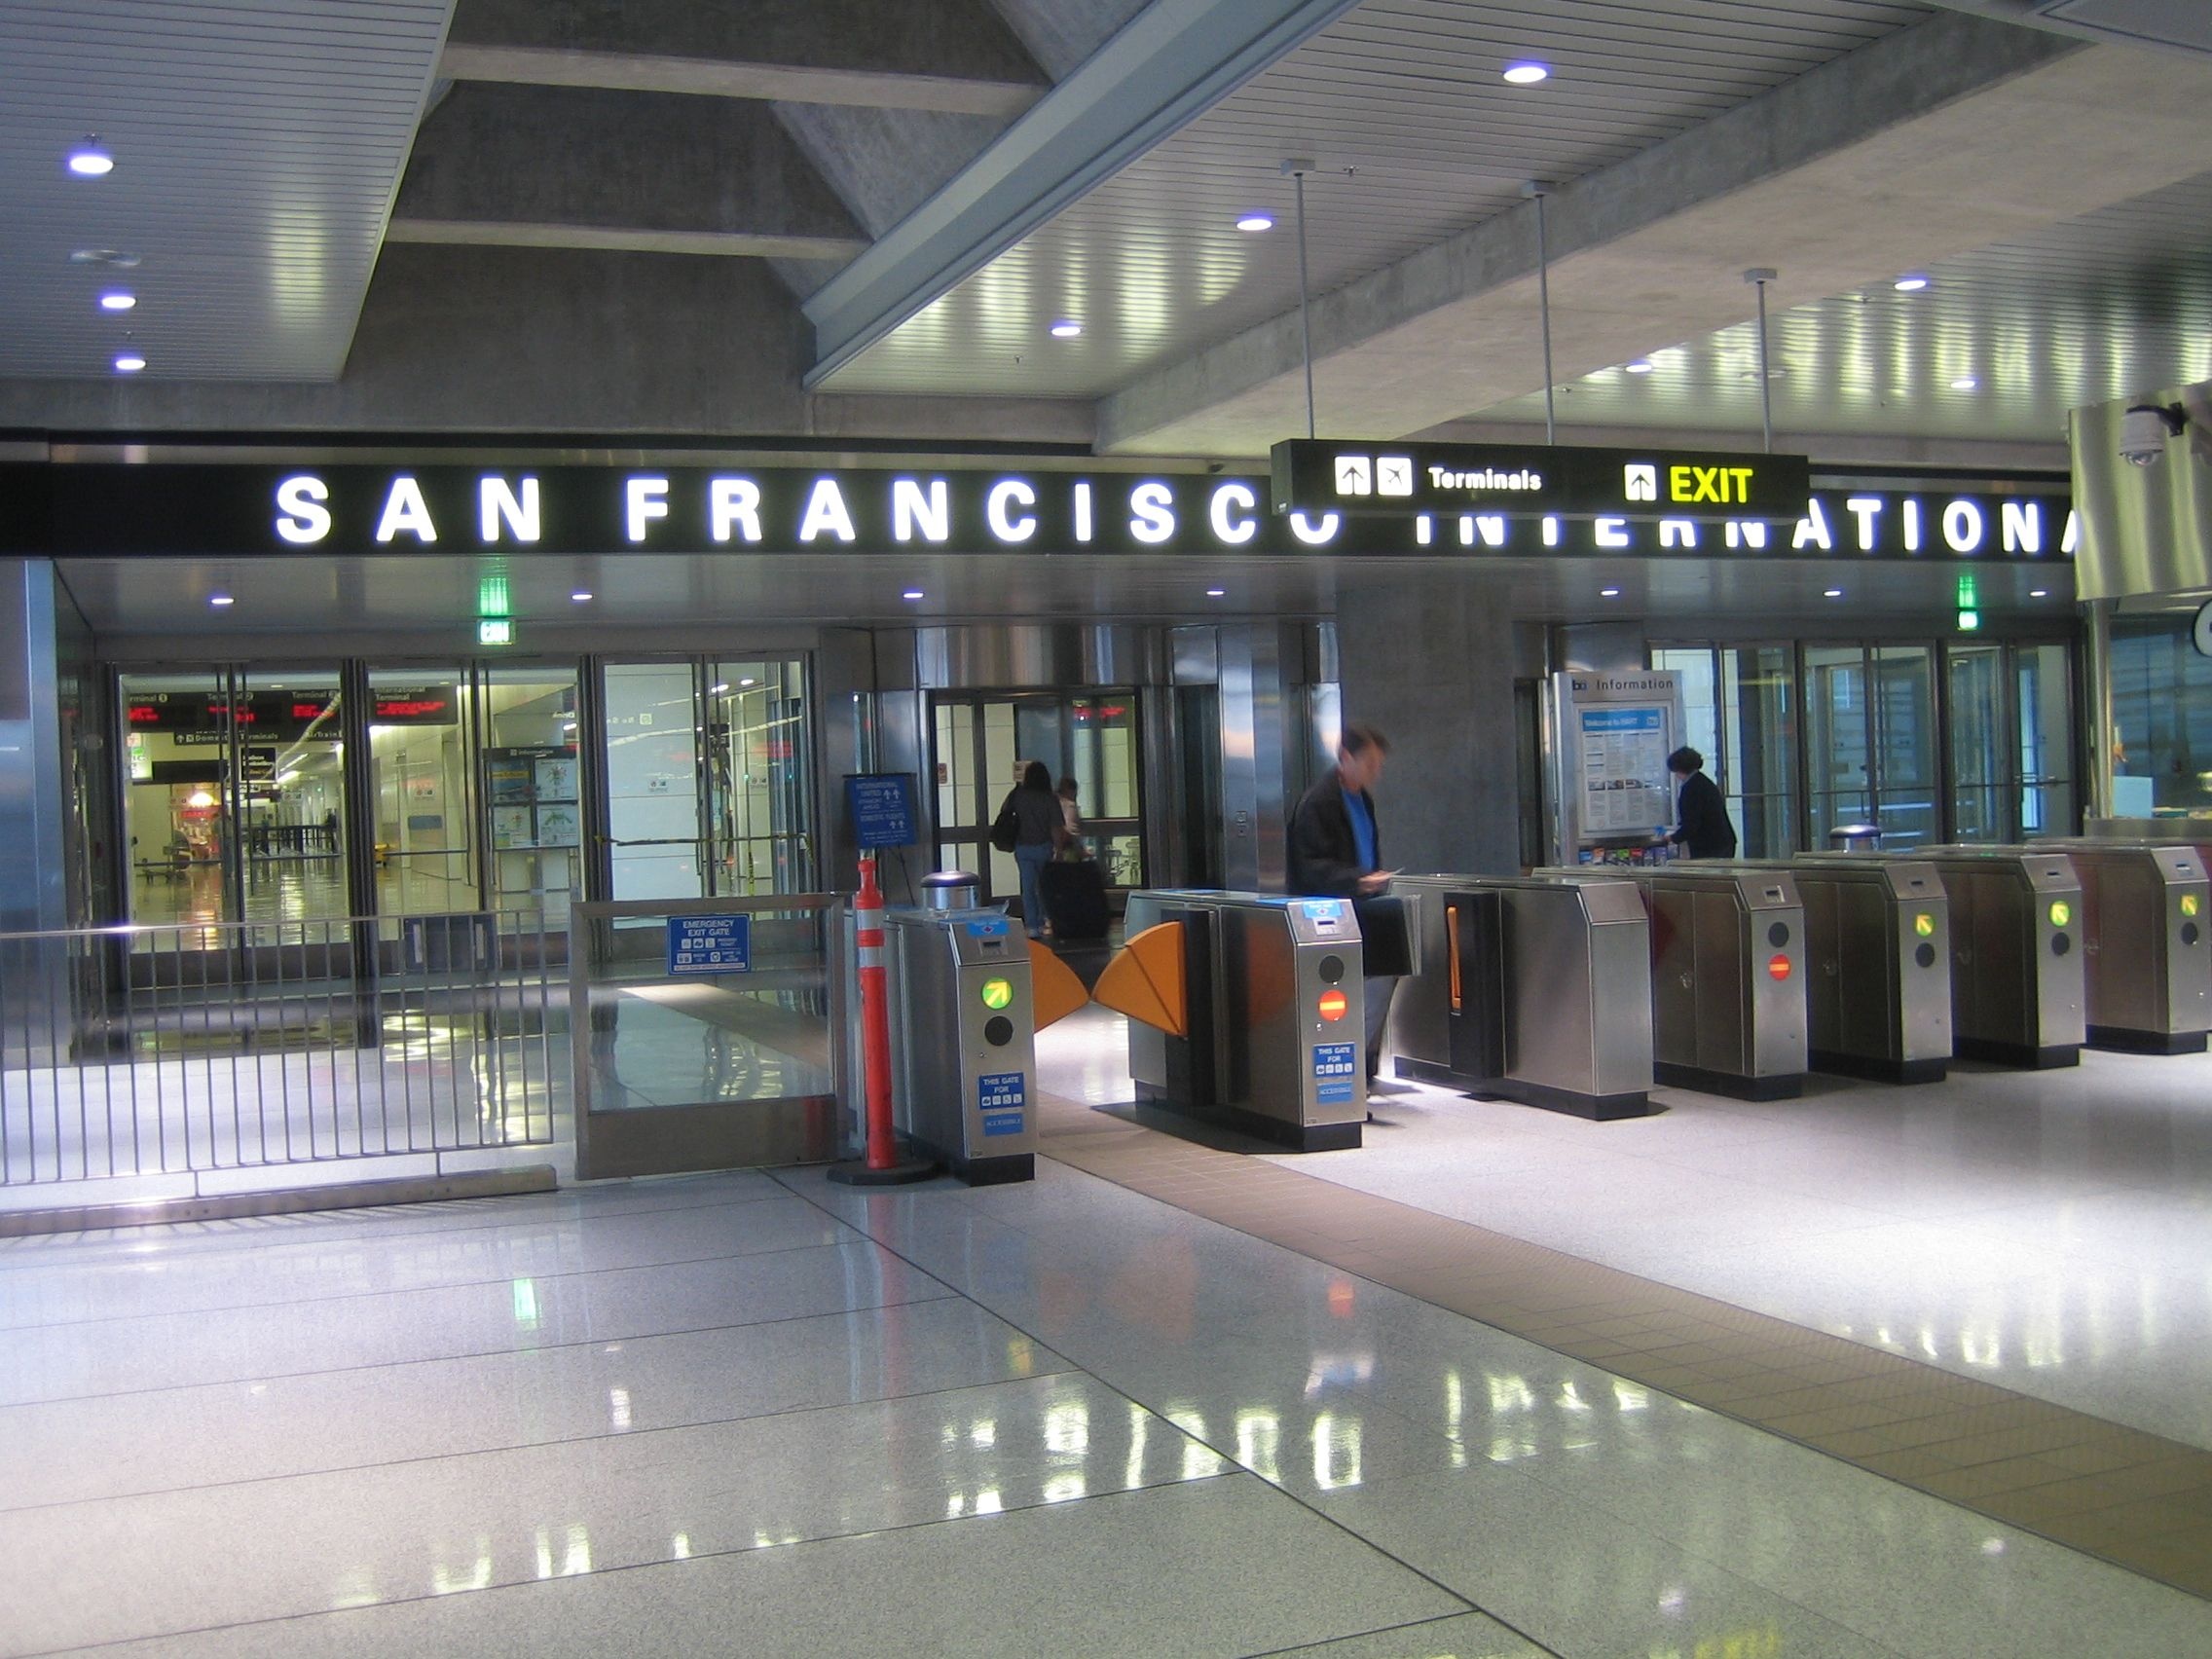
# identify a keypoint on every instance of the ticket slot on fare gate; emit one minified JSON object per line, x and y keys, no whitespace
{"x":1246,"y":1009}
{"x":1727,"y":976}
{"x":2147,"y":965}
{"x":1878,"y":976}
{"x":968,"y":995}
{"x":1528,"y":988}
{"x":2018,"y":991}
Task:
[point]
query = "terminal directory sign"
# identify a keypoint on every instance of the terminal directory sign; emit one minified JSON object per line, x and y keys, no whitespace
{"x":882,"y":805}
{"x":1395,"y":479}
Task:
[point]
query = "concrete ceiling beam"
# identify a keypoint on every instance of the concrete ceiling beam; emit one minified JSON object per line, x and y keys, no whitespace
{"x":649,"y":172}
{"x":1169,"y":65}
{"x":1936,"y":140}
{"x":953,"y":56}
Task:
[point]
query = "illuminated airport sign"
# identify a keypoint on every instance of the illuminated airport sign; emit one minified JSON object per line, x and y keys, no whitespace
{"x":1397,"y":480}
{"x":1527,"y":509}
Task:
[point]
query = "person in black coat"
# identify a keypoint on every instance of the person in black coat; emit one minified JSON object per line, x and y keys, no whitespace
{"x":1701,"y":820}
{"x":1336,"y":849}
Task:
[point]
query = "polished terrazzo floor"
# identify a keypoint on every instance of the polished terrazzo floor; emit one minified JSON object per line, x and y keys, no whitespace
{"x":745,"y":1414}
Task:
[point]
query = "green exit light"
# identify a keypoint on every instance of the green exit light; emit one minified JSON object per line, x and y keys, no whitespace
{"x":494,"y":629}
{"x":1969,"y":621}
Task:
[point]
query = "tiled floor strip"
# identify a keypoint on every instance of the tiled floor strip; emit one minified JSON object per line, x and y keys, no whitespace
{"x":2136,"y":1499}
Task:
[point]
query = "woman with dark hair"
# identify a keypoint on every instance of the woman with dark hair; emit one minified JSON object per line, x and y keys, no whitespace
{"x":1701,"y":819}
{"x":1033,"y":813}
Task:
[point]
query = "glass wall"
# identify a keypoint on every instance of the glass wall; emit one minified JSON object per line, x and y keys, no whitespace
{"x":1738,"y":711}
{"x":2161,"y":713}
{"x":1968,"y":740}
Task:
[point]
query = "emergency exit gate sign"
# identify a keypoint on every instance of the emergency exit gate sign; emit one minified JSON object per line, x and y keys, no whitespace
{"x":710,"y":944}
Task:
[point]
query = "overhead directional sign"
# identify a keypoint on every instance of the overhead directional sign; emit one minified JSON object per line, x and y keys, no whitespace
{"x":1313,"y":475}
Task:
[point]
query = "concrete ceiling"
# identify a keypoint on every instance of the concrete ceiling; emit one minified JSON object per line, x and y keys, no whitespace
{"x":934,"y":183}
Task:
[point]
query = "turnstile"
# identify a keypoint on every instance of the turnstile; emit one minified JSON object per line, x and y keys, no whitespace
{"x":1249,"y":1011}
{"x":1877,"y":966}
{"x":2017,"y":988}
{"x":963,"y":1040}
{"x":1528,"y":988}
{"x":2147,"y":966}
{"x":1727,"y":975}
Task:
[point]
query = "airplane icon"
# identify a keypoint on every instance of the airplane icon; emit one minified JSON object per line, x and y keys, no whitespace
{"x":1393,"y":475}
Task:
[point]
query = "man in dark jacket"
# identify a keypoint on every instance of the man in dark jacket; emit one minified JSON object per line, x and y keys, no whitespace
{"x":1336,"y":849}
{"x":1701,"y":820}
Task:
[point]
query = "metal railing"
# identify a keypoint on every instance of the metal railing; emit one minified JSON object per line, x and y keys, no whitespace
{"x":178,"y":1050}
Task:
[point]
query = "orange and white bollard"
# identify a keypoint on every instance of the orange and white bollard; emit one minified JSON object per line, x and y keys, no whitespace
{"x":881,"y":1164}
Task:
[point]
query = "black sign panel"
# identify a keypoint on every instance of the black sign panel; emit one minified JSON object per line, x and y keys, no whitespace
{"x":1526,"y":502}
{"x":1324,"y":475}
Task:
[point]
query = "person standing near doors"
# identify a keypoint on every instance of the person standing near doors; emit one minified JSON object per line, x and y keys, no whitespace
{"x":1336,"y":849}
{"x":1701,"y":818}
{"x":1030,"y":826}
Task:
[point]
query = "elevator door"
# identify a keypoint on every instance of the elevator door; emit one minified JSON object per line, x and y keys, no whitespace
{"x":982,"y":742}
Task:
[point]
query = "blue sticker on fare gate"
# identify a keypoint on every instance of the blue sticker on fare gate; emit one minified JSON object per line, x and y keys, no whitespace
{"x":1002,"y":1097}
{"x":710,"y":944}
{"x":1336,"y":1070}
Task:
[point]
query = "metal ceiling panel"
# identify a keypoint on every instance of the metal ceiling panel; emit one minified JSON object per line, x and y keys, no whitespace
{"x":2109,"y":305}
{"x":1401,"y":104}
{"x":257,"y":145}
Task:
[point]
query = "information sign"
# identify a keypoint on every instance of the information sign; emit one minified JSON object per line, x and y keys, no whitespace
{"x":710,"y":944}
{"x":1335,"y":1066}
{"x":882,"y":805}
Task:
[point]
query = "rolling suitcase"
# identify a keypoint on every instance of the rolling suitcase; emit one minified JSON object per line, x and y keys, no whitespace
{"x":1075,"y":900}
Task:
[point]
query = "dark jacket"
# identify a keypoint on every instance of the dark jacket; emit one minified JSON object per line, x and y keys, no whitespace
{"x":1037,"y":812}
{"x":1324,"y":856}
{"x":1704,"y":828}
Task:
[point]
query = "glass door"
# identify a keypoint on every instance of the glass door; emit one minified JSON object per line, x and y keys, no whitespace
{"x":656,"y":840}
{"x":1973,"y":680}
{"x":532,"y":789}
{"x":236,"y":808}
{"x":983,"y":743}
{"x":708,"y":778}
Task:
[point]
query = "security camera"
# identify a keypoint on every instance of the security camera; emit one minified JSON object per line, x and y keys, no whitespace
{"x":2144,"y":430}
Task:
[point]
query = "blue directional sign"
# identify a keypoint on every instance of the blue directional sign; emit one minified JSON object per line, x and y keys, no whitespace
{"x":710,"y":944}
{"x":882,"y":805}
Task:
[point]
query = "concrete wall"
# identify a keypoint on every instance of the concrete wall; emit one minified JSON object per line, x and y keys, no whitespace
{"x":1427,"y":656}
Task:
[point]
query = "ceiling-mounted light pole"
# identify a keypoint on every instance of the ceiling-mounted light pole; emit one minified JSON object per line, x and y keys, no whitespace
{"x":1536,"y":189}
{"x":1759,"y":276}
{"x":1298,"y":167}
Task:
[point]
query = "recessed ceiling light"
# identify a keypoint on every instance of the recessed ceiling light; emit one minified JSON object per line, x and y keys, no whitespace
{"x":220,"y":599}
{"x":117,"y":302}
{"x":717,"y":688}
{"x":90,"y":160}
{"x":1641,"y":366}
{"x":1256,"y":222}
{"x":1526,"y":74}
{"x":2039,"y":593}
{"x":1964,"y":383}
{"x":1608,"y":593}
{"x":1217,"y":593}
{"x":748,"y":681}
{"x":1832,"y":593}
{"x":1911,"y":285}
{"x":128,"y":364}
{"x":581,"y":596}
{"x":912,"y":593}
{"x":1066,"y":330}
{"x":112,"y":256}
